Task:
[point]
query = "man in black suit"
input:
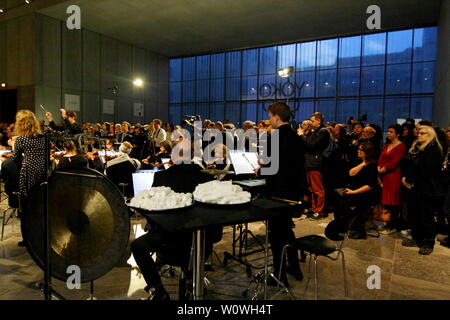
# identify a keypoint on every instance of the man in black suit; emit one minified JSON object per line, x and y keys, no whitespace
{"x":287,"y":183}
{"x":181,"y":178}
{"x":70,"y":122}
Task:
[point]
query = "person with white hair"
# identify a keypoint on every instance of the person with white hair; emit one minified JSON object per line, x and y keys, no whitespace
{"x":124,"y":155}
{"x":426,"y":189}
{"x":120,"y":170}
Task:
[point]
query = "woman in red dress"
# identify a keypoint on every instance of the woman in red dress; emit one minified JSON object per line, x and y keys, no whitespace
{"x":391,"y":176}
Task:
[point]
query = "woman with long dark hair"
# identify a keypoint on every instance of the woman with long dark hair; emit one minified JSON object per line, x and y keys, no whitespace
{"x":391,"y":176}
{"x":360,"y":193}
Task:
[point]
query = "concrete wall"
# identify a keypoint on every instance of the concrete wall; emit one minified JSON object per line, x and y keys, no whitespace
{"x":88,"y":64}
{"x":441,"y":114}
{"x":17,"y":47}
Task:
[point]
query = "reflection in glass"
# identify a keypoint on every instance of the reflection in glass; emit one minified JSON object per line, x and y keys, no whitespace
{"x":425,"y":44}
{"x":306,"y":56}
{"x":349,"y":52}
{"x":374,"y":48}
{"x":423,"y":77}
{"x":326,"y":83}
{"x":327,"y":53}
{"x":395,"y":108}
{"x":399,"y":46}
{"x":398,"y":78}
{"x":345,"y":109}
{"x":349,"y":82}
{"x":189,"y":68}
{"x":372,"y":80}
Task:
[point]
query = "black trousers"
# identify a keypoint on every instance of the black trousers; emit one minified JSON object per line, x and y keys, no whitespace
{"x":155,"y":241}
{"x":348,"y":206}
{"x":281,"y":234}
{"x":422,"y":210}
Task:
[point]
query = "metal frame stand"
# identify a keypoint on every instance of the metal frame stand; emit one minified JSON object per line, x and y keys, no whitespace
{"x":262,"y":277}
{"x":243,"y":244}
{"x":46,"y":286}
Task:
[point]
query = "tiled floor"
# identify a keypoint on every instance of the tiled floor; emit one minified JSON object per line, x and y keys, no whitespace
{"x":404,"y":273}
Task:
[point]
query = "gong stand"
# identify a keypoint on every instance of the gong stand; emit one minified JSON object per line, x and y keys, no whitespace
{"x":47,"y":285}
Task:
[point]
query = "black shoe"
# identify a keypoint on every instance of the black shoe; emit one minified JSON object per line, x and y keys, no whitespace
{"x":425,"y":250}
{"x":357,"y":235}
{"x":21,"y":244}
{"x":409,"y":243}
{"x":295,"y":272}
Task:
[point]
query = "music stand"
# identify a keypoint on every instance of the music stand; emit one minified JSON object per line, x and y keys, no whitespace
{"x":244,"y":163}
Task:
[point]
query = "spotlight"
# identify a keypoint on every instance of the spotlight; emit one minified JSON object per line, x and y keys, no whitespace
{"x":27,"y":1}
{"x":2,"y":10}
{"x":3,"y":85}
{"x":285,"y":72}
{"x":138,"y":82}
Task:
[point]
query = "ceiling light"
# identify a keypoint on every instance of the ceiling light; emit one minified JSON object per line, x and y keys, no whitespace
{"x":138,"y":82}
{"x":2,"y":10}
{"x":3,"y":85}
{"x":27,"y":1}
{"x":285,"y":72}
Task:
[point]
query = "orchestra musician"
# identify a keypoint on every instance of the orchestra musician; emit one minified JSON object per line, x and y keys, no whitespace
{"x":158,"y":135}
{"x":181,"y":178}
{"x":71,"y":158}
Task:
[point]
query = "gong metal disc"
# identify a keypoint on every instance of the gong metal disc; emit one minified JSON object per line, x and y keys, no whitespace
{"x":89,"y":224}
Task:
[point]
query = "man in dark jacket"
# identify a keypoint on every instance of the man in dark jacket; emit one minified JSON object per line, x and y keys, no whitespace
{"x":287,"y":183}
{"x":315,"y":145}
{"x":181,"y":178}
{"x":70,"y":122}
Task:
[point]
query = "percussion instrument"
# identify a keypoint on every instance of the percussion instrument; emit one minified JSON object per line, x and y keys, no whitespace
{"x":88,"y":222}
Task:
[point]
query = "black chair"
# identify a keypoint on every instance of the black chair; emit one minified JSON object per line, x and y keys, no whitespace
{"x":317,"y":246}
{"x":15,"y":212}
{"x":121,"y":175}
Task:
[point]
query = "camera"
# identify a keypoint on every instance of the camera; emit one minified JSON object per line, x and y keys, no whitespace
{"x":189,"y":120}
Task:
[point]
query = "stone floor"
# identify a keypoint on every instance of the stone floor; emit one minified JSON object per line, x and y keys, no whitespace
{"x":404,"y":273}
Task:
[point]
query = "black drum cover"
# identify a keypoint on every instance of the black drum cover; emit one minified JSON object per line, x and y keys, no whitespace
{"x":88,"y":221}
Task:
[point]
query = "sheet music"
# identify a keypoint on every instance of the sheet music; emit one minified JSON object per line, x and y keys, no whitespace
{"x":244,"y":162}
{"x":165,"y":160}
{"x":142,"y":180}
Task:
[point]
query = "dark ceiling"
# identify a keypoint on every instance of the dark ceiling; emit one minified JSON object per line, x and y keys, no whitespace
{"x":188,"y":27}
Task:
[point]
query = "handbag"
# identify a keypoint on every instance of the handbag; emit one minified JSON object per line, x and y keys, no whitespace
{"x":380,"y":213}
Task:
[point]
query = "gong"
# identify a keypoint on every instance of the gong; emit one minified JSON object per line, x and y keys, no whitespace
{"x":89,"y":224}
